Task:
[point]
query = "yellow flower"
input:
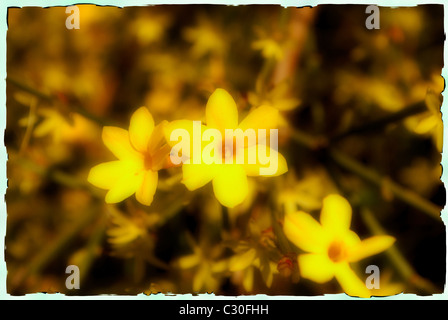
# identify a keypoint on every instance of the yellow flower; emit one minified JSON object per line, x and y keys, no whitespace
{"x":60,"y":127}
{"x":257,"y":254}
{"x":331,"y":245}
{"x":125,"y":230}
{"x":205,"y":38}
{"x":230,"y":183}
{"x":277,"y":97}
{"x":141,"y":153}
{"x":270,"y":49}
{"x":431,"y":121}
{"x":150,"y":28}
{"x":207,"y":270}
{"x":305,"y":191}
{"x":244,"y":264}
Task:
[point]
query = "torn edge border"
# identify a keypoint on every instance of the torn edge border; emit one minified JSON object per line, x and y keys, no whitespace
{"x":161,"y":296}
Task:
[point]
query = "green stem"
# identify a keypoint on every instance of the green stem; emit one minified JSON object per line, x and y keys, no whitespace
{"x":52,"y":100}
{"x":30,"y":90}
{"x":58,"y":176}
{"x":278,"y":212}
{"x":381,"y":123}
{"x":403,"y":267}
{"x":50,"y":252}
{"x":93,"y":246}
{"x":262,"y":80}
{"x":29,"y":126}
{"x":308,"y":141}
{"x":370,"y":175}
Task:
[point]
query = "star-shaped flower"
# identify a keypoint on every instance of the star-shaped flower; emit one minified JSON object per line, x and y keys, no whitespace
{"x":331,"y":245}
{"x":229,"y":180}
{"x":141,"y":152}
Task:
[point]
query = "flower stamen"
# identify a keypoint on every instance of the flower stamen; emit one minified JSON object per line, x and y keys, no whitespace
{"x":337,"y":251}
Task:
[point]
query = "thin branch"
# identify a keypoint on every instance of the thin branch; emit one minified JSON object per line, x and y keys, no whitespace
{"x":407,"y":196}
{"x":54,"y":100}
{"x":403,"y":267}
{"x":383,"y":122}
{"x":49,"y":253}
{"x":368,"y":174}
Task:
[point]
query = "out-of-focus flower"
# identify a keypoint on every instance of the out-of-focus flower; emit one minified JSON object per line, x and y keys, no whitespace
{"x":368,"y":91}
{"x":206,"y":39}
{"x":132,"y":235}
{"x":430,"y":122}
{"x":149,"y":28}
{"x":206,"y":267}
{"x":258,"y":253}
{"x":141,"y":153}
{"x":124,"y":230}
{"x":229,"y":179}
{"x":246,"y":261}
{"x":331,"y":245}
{"x":164,"y":95}
{"x":270,"y":49}
{"x":60,"y":128}
{"x":305,"y":192}
{"x":277,"y":97}
{"x":422,"y":176}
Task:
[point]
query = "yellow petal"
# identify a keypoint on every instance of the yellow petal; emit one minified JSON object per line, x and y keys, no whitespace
{"x":305,"y":232}
{"x":44,"y":128}
{"x":105,"y":175}
{"x":370,"y":247}
{"x":388,"y":289}
{"x":157,"y":139}
{"x":248,"y":281}
{"x":124,"y":187}
{"x":242,"y":261}
{"x":117,"y":141}
{"x":350,"y":239}
{"x":286,"y":104}
{"x":316,"y":267}
{"x":221,"y":111}
{"x":145,"y":193}
{"x":177,"y":124}
{"x":275,"y":166}
{"x":197,"y":175}
{"x":230,"y":185}
{"x":264,"y":117}
{"x":189,"y":261}
{"x":438,"y":135}
{"x":426,"y":125}
{"x":336,"y":214}
{"x":140,"y":129}
{"x":350,"y":282}
{"x":220,"y":266}
{"x":433,"y":102}
{"x":200,"y":278}
{"x":174,"y":141}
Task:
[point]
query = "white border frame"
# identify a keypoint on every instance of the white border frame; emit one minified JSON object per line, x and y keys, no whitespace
{"x":122,"y":3}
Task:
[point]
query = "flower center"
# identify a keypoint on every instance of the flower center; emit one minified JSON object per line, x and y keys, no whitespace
{"x":228,"y":149}
{"x":147,"y":161}
{"x":337,"y":251}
